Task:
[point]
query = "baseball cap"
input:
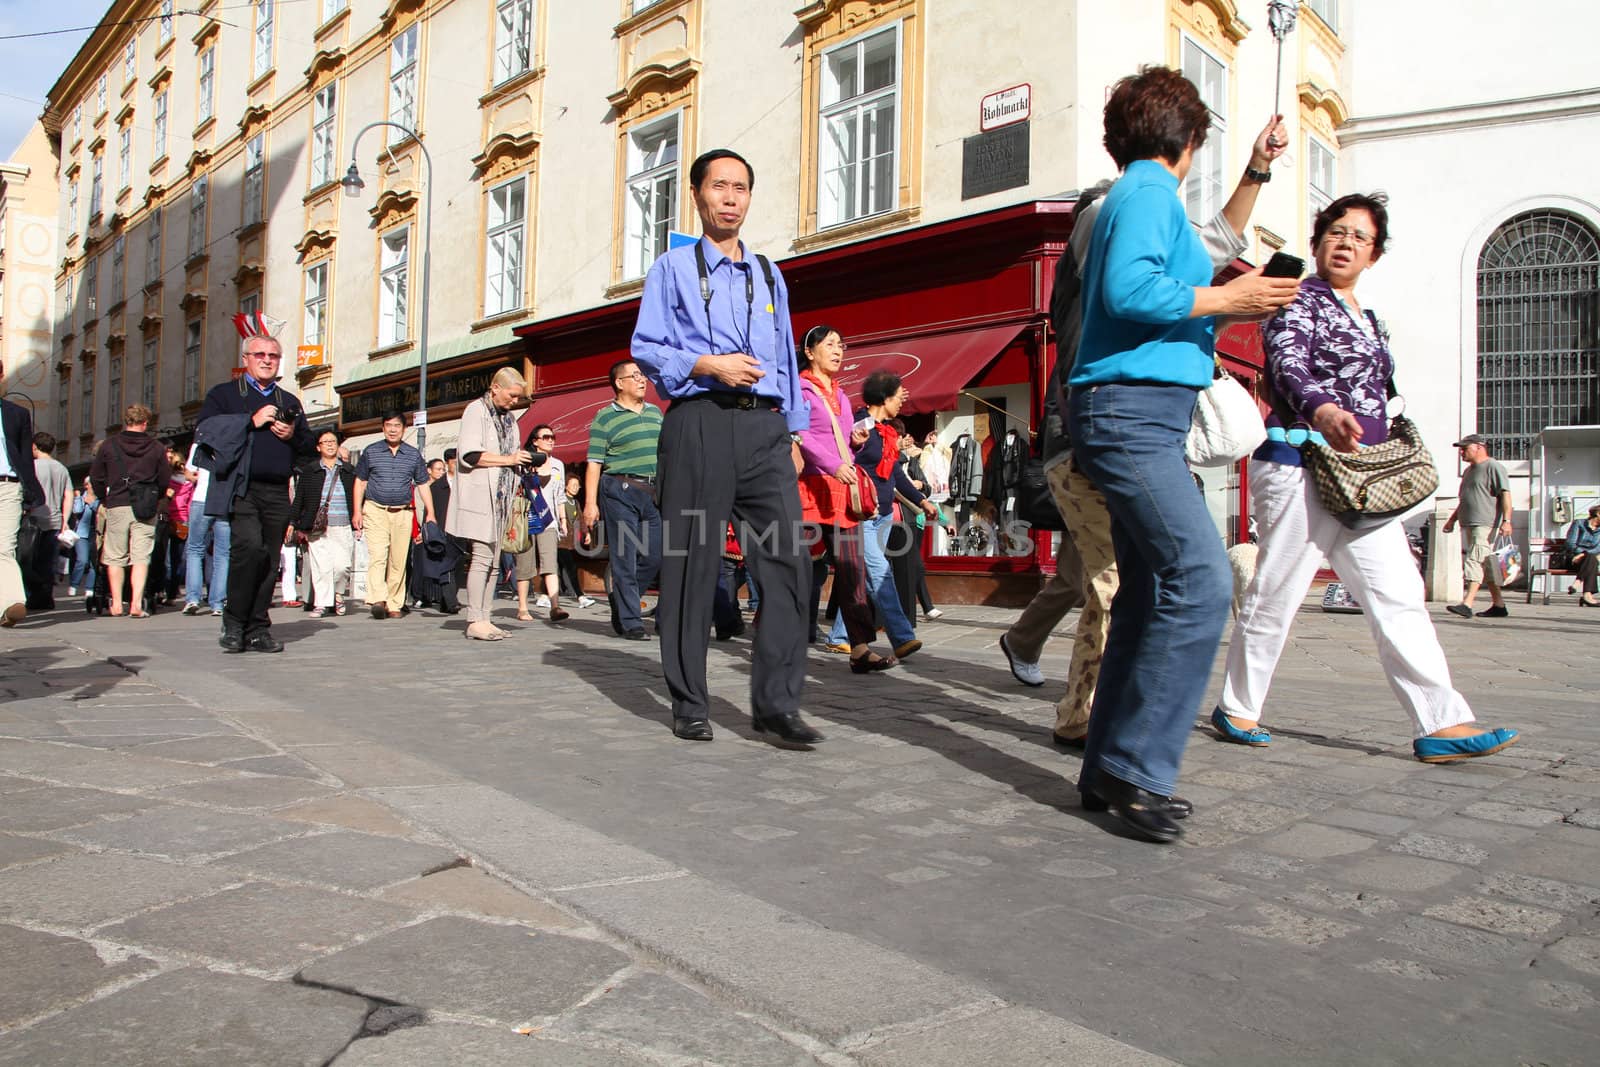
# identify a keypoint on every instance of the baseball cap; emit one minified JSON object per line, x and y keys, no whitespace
{"x":1470,"y":439}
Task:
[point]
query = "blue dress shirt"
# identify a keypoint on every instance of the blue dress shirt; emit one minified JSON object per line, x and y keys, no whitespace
{"x":673,"y":329}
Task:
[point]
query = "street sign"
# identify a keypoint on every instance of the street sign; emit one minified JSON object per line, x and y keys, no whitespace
{"x":1006,"y":107}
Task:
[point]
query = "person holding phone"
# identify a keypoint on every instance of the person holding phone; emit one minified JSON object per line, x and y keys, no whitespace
{"x":1329,"y":368}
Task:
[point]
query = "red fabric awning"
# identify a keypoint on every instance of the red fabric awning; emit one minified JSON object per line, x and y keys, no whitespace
{"x":934,"y":369}
{"x":570,"y":413}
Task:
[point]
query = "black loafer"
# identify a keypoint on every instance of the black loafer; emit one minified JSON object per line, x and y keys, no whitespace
{"x":1177,"y":807}
{"x":263,"y":642}
{"x":1143,"y":812}
{"x":692,"y":729}
{"x":788,"y":726}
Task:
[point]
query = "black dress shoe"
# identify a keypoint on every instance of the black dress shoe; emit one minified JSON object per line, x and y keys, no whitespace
{"x":692,"y":729}
{"x":263,"y":642}
{"x":231,"y":641}
{"x":1177,"y":807}
{"x":789,"y":726}
{"x":1143,"y":812}
{"x":635,"y":635}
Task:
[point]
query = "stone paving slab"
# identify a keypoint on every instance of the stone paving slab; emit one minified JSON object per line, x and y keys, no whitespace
{"x":475,"y":1046}
{"x":342,"y":859}
{"x":194,"y":1018}
{"x":510,"y":974}
{"x":47,"y":971}
{"x":86,"y":890}
{"x":265,"y":928}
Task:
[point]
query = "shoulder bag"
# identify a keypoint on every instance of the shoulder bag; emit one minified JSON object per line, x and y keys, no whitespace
{"x":1227,"y":423}
{"x":862,"y":495}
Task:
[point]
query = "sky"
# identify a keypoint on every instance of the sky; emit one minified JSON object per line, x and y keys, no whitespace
{"x":29,"y":67}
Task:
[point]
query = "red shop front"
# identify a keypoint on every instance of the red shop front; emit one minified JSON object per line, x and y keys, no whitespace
{"x":959,"y":310}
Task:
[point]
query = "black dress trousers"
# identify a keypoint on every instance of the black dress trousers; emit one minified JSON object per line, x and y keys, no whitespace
{"x":715,"y":463}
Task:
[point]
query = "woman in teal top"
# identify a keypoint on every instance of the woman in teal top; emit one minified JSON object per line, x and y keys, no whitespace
{"x":1144,"y":355}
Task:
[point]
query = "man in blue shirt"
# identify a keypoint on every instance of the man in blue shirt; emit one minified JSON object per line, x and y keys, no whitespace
{"x":714,"y":337}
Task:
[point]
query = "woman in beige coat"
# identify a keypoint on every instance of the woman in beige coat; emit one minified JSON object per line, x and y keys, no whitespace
{"x":485,"y":483}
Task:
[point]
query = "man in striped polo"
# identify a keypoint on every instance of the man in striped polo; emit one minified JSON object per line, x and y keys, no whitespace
{"x":620,"y":483}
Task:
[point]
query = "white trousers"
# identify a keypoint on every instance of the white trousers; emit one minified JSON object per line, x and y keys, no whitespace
{"x":330,"y":555}
{"x":11,"y":590}
{"x":1297,"y":534}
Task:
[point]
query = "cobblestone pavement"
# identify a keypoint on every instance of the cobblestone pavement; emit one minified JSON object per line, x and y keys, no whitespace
{"x":392,"y":846}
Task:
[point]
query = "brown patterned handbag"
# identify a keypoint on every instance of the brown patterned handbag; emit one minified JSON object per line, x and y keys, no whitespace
{"x":1372,"y":485}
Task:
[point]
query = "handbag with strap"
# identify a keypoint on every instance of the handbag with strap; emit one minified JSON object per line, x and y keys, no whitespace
{"x":1372,"y":485}
{"x":1227,"y":424}
{"x":862,"y":496}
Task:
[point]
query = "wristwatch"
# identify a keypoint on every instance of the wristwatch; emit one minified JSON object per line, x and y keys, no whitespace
{"x":1261,"y":177}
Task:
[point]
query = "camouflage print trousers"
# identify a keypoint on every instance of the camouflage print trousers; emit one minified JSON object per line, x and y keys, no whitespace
{"x":1089,"y":525}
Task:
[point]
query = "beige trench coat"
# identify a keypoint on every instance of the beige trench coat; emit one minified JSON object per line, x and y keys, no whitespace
{"x":472,"y":515}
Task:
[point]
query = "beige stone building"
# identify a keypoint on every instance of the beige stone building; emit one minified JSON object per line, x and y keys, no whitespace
{"x":28,"y":261}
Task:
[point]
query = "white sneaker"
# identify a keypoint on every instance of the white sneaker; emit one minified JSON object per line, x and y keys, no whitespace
{"x":1025,"y":672}
{"x":586,"y":602}
{"x":542,"y":602}
{"x":934,"y":614}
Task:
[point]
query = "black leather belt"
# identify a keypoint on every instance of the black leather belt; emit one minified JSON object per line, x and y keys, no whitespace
{"x":735,"y":401}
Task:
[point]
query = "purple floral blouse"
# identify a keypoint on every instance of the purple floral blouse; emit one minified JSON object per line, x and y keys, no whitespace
{"x":1318,"y":354}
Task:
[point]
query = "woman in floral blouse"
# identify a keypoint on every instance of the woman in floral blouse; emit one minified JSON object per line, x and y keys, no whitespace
{"x":1328,"y":367}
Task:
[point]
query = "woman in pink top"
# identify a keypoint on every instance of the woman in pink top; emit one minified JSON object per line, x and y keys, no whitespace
{"x":825,"y":483}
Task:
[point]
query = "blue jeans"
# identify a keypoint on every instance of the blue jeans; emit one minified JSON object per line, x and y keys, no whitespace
{"x":1168,"y":615}
{"x":203,"y":529}
{"x":633,"y":538}
{"x":82,"y":577}
{"x":880,"y":586}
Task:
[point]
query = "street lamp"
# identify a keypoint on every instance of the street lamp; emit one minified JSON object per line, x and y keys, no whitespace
{"x":353,"y":185}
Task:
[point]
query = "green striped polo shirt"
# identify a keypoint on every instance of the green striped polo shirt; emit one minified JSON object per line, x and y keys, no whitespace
{"x":623,"y":442}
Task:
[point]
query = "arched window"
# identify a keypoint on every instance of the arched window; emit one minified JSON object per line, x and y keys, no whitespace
{"x":1538,"y":329}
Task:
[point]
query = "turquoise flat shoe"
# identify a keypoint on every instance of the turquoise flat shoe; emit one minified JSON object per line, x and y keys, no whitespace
{"x":1450,"y":749}
{"x":1255,"y":737}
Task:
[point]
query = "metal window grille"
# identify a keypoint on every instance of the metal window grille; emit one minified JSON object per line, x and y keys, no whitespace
{"x":1538,"y":329}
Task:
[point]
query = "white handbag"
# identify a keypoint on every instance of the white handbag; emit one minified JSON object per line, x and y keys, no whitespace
{"x":1227,"y":424}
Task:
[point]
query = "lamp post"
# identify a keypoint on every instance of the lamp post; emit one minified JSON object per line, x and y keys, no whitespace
{"x":352,"y":185}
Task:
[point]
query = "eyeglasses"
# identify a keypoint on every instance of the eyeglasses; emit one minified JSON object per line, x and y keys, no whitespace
{"x":1356,"y":237}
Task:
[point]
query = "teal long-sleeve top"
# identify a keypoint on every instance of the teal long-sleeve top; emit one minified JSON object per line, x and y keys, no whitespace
{"x":1140,"y":276}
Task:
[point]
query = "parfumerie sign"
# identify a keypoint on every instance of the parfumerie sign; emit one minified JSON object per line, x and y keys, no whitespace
{"x":1005,"y":107}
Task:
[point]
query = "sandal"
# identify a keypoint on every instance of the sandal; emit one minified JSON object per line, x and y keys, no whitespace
{"x":870,"y":663}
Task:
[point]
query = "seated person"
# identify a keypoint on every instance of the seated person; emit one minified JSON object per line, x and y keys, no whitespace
{"x":1580,"y":553}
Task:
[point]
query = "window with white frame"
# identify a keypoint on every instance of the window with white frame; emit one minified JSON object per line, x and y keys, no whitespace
{"x":166,"y":21}
{"x":860,"y":122}
{"x":114,"y":390}
{"x":158,"y":135}
{"x":394,"y":260}
{"x":193,"y":339}
{"x":124,"y":157}
{"x":651,"y":210}
{"x":255,"y":172}
{"x":119,"y":272}
{"x":314,"y":331}
{"x":1327,"y":11}
{"x":513,"y":39}
{"x":86,"y":404}
{"x":403,"y":79}
{"x":152,"y":361}
{"x":1322,"y":171}
{"x":1203,"y":189}
{"x":197,"y":216}
{"x":324,"y":134}
{"x":97,"y":169}
{"x":100,"y":96}
{"x":208,"y":81}
{"x":263,"y":49}
{"x":331,"y":8}
{"x":72,"y":204}
{"x":152,"y":247}
{"x":504,"y":241}
{"x":130,"y":61}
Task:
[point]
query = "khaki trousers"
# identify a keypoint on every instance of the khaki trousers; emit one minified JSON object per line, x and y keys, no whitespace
{"x":388,"y":537}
